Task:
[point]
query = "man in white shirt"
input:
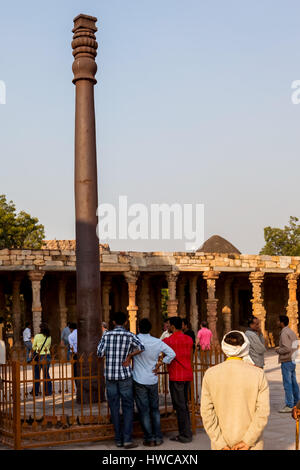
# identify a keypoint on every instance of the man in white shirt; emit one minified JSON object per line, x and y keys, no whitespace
{"x":146,"y":382}
{"x":27,"y":341}
{"x":167,"y":330}
{"x":72,"y":338}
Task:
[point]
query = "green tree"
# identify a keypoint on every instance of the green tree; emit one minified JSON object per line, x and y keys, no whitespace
{"x":18,"y":231}
{"x":282,"y":242}
{"x":164,"y":303}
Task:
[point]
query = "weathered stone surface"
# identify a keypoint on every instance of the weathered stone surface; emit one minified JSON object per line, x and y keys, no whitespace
{"x":109,"y":258}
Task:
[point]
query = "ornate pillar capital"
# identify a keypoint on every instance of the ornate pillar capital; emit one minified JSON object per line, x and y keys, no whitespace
{"x":211,"y":275}
{"x":84,"y":47}
{"x":131,"y":276}
{"x":256,"y":276}
{"x":36,"y":275}
{"x":172,"y":276}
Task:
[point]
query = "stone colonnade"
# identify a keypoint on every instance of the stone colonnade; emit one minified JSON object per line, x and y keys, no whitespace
{"x":140,"y":306}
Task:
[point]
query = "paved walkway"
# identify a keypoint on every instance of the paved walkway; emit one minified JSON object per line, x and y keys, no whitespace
{"x":279,"y":433}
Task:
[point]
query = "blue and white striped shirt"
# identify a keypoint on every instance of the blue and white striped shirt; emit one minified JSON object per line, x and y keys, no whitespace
{"x":115,"y":345}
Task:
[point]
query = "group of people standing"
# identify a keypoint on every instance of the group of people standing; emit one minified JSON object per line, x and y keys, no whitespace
{"x":126,"y":384}
{"x":235,"y":402}
{"x":234,"y":394}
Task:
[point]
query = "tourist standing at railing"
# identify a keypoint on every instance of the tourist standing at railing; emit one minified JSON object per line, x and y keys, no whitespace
{"x":180,"y":377}
{"x":204,"y":337}
{"x":235,"y":398}
{"x":64,"y":339}
{"x":257,"y":342}
{"x":72,"y":338}
{"x":145,"y":382}
{"x":41,"y":346}
{"x":27,"y":341}
{"x":288,"y":345}
{"x":119,"y":346}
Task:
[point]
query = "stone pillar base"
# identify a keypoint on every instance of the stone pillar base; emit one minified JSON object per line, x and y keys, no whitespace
{"x":172,"y":308}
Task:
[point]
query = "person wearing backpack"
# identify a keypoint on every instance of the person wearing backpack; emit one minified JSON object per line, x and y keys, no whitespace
{"x":41,"y":352}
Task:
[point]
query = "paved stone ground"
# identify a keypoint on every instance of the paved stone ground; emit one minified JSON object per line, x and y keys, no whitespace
{"x":279,"y":433}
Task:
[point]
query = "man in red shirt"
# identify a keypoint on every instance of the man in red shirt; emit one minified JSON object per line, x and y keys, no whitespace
{"x":180,"y":376}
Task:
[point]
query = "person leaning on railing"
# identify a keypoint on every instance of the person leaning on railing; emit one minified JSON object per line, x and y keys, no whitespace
{"x":41,"y":347}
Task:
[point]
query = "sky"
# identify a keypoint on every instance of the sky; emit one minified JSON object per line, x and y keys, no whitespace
{"x":193,"y":106}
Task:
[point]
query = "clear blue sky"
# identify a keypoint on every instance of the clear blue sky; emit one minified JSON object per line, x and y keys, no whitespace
{"x":193,"y":105}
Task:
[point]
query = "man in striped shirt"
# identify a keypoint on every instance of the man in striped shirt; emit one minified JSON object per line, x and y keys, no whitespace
{"x":119,"y":346}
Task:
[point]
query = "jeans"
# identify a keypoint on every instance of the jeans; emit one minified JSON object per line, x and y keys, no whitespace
{"x":69,"y":353}
{"x":290,"y":384}
{"x":179,"y":394}
{"x":147,"y":402}
{"x":28,"y":347}
{"x":37,"y":371}
{"x":121,"y":391}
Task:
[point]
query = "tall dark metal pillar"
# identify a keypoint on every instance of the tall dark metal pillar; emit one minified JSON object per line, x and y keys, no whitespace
{"x":86,"y":194}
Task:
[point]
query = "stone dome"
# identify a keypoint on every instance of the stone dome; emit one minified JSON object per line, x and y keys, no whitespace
{"x":217,"y":244}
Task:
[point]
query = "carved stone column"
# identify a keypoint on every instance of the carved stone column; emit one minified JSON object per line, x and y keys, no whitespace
{"x":181,"y":297}
{"x":131,"y":278}
{"x":226,"y":310}
{"x":193,"y":302}
{"x":106,"y":288}
{"x":258,"y":309}
{"x":16,"y":307}
{"x":212,"y":302}
{"x":36,"y":278}
{"x":172,"y":303}
{"x":62,"y":283}
{"x":292,"y":306}
{"x":84,"y":67}
{"x":145,"y":297}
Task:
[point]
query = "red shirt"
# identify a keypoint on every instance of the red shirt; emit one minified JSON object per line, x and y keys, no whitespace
{"x":180,"y":369}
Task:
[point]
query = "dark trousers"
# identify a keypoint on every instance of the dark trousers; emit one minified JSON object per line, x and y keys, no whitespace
{"x":121,"y":391}
{"x":147,"y":402}
{"x":37,"y":371}
{"x":179,"y":394}
{"x":28,"y":347}
{"x":75,"y":370}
